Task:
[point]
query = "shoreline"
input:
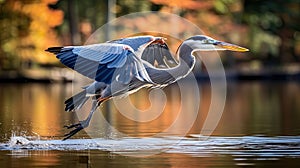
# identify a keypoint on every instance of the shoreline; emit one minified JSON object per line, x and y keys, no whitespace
{"x":61,"y":75}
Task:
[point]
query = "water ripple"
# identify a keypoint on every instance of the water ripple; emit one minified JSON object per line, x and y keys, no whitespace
{"x":194,"y":145}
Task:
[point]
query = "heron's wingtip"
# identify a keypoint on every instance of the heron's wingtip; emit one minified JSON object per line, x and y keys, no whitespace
{"x":54,"y":50}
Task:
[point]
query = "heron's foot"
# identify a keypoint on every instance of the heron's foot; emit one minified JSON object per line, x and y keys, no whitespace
{"x":78,"y":127}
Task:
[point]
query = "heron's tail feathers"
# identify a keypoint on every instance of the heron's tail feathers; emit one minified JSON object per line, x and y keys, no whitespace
{"x":76,"y":102}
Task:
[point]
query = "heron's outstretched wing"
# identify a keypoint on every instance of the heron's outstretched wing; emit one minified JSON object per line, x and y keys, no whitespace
{"x":103,"y":62}
{"x":159,"y":55}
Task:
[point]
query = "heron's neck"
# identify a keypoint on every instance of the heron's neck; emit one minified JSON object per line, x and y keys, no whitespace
{"x":185,"y":55}
{"x":186,"y":60}
{"x":185,"y":66}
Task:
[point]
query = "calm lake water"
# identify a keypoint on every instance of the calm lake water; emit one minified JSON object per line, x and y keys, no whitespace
{"x":259,"y":127}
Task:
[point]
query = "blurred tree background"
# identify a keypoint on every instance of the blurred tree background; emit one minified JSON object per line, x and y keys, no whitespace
{"x":269,"y":28}
{"x":26,"y":30}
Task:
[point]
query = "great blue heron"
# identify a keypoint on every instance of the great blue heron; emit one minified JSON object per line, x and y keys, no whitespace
{"x":122,"y":66}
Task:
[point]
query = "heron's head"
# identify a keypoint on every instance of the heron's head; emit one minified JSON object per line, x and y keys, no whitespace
{"x":205,"y":43}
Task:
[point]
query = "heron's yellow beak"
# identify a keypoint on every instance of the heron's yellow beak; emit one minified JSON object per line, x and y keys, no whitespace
{"x":231,"y":47}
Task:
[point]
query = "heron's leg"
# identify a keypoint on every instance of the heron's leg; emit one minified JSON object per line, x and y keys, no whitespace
{"x":82,"y":124}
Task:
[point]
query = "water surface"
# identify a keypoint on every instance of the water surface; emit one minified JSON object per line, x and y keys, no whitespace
{"x":259,"y":127}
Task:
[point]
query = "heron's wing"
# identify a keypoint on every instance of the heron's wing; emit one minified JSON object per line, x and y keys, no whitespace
{"x":102,"y":62}
{"x":159,"y":55}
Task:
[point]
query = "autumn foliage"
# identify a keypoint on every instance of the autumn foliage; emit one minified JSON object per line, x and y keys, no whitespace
{"x":268,"y":28}
{"x":27,"y":30}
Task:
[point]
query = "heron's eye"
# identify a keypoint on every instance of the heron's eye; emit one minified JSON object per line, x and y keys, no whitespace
{"x":209,"y":41}
{"x":205,"y":41}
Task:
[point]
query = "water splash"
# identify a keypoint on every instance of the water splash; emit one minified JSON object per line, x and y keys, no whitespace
{"x":194,"y":145}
